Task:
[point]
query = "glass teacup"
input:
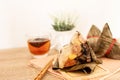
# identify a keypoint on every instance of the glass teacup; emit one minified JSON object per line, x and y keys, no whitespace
{"x":39,"y":46}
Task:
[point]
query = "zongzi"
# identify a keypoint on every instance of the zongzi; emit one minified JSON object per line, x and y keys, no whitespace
{"x":77,"y":56}
{"x":93,"y":35}
{"x":107,"y":45}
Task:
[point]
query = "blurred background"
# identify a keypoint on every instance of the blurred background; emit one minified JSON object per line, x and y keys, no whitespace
{"x":19,"y":18}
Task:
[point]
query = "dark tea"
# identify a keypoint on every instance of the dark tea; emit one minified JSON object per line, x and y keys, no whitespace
{"x":39,"y":46}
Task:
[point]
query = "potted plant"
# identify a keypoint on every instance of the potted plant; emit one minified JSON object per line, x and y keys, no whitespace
{"x":63,"y":27}
{"x":63,"y":23}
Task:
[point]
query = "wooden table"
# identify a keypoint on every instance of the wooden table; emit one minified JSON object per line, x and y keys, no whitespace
{"x":14,"y":65}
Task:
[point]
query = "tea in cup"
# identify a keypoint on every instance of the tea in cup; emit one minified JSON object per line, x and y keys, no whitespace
{"x":39,"y":46}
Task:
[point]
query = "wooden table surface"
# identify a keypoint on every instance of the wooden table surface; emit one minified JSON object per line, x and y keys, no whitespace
{"x":14,"y":65}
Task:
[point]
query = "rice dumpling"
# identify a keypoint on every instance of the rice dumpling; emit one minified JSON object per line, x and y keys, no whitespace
{"x":107,"y":45}
{"x":93,"y":35}
{"x":77,"y":56}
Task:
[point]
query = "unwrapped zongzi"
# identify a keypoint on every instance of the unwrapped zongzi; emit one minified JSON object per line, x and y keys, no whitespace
{"x":77,"y":56}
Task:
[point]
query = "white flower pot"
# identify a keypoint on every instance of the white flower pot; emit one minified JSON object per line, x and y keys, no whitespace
{"x":62,"y":38}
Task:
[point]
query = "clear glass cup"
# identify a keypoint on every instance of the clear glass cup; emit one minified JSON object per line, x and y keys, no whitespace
{"x":39,"y":46}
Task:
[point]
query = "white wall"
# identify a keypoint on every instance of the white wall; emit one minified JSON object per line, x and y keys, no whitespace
{"x":19,"y":18}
